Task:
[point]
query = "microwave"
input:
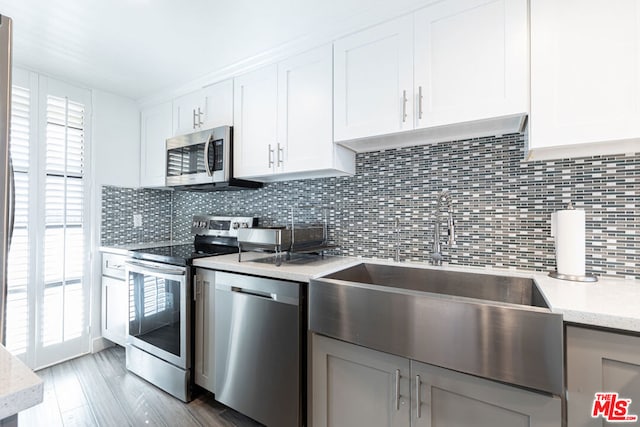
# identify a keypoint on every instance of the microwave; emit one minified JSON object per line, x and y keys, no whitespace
{"x":202,"y":161}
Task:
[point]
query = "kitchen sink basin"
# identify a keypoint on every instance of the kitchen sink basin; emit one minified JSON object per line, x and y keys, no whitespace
{"x":506,"y":289}
{"x":492,"y":326}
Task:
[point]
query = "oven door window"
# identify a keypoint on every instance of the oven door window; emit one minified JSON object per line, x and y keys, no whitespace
{"x":154,"y":311}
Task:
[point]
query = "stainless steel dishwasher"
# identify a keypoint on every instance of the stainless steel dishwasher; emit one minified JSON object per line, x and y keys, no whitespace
{"x":259,"y":333}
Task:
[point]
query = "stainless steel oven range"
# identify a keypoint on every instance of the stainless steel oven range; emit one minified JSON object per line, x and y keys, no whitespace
{"x":159,"y":338}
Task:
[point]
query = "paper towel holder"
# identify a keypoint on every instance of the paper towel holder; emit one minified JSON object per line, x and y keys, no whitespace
{"x":587,"y":278}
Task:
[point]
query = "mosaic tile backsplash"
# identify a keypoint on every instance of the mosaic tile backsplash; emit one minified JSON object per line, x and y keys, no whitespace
{"x":120,"y":204}
{"x":502,"y":206}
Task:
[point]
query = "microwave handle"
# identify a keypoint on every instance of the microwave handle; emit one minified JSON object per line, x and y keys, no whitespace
{"x":206,"y":156}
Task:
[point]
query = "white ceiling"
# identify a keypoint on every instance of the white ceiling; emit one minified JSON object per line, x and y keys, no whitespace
{"x":137,"y":48}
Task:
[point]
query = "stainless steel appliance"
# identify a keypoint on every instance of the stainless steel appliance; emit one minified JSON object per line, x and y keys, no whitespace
{"x":203,"y":161}
{"x":283,"y":239}
{"x":159,"y":344}
{"x":259,"y":335}
{"x":6,"y":173}
{"x":304,"y":237}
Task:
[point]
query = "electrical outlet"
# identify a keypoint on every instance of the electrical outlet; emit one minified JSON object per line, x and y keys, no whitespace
{"x":137,"y":220}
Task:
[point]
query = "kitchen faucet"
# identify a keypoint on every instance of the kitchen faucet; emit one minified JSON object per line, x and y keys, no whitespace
{"x":444,"y":197}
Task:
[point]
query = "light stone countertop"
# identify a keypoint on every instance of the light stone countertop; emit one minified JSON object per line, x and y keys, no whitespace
{"x":610,"y":303}
{"x":296,"y":272}
{"x":20,"y":388}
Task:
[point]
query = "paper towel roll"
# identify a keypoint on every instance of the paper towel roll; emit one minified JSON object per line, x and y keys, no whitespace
{"x":568,"y":227}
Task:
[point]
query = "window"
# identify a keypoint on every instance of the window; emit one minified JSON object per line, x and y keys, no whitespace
{"x":62,"y":310}
{"x":48,"y":294}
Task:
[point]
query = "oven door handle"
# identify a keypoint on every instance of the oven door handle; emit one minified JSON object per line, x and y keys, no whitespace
{"x":154,"y":269}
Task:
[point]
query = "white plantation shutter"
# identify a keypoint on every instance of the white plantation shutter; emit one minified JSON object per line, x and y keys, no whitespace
{"x":63,"y":313}
{"x":48,"y":298}
{"x":17,"y":336}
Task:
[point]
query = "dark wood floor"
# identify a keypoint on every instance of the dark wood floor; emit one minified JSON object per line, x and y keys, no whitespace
{"x":97,"y":390}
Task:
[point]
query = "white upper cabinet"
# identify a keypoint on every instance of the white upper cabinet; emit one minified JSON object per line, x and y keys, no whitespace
{"x":185,"y":112}
{"x":156,"y":127}
{"x":218,"y":104}
{"x":454,"y":69}
{"x":284,"y":121}
{"x":206,"y":108}
{"x":585,"y":77}
{"x":305,"y":116}
{"x":471,"y":61}
{"x":373,"y":72}
{"x":255,"y":122}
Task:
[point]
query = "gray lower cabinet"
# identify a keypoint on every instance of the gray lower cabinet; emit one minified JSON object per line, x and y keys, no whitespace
{"x":115,"y":299}
{"x":599,"y":362}
{"x":449,"y":398}
{"x":204,"y":360}
{"x":355,"y":386}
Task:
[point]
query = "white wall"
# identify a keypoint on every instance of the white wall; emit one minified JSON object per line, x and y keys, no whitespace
{"x":116,"y":140}
{"x":115,"y":161}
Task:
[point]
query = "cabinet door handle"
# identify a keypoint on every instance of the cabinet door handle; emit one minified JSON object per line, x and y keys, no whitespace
{"x":404,"y":106}
{"x":195,"y":288}
{"x":200,"y":122}
{"x":420,"y":102}
{"x":193,"y":121}
{"x":114,"y":266}
{"x":418,"y":398}
{"x":270,"y":156}
{"x":280,"y":161}
{"x":397,"y":389}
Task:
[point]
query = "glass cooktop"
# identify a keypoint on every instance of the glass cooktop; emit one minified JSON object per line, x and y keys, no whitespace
{"x":181,"y":254}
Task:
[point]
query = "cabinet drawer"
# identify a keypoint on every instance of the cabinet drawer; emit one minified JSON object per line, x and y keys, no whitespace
{"x":113,"y":265}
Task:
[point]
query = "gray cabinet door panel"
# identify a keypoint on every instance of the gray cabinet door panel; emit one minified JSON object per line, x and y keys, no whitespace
{"x":354,"y":386}
{"x":599,"y":361}
{"x":449,"y":398}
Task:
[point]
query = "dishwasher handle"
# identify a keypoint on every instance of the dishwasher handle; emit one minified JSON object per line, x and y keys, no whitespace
{"x":278,"y":297}
{"x":254,"y":293}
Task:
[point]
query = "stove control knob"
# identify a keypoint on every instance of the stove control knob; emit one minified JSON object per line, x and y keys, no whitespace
{"x":244,"y":225}
{"x":235,"y":225}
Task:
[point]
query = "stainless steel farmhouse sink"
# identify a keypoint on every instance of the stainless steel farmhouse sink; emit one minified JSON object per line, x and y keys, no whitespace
{"x":496,"y":327}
